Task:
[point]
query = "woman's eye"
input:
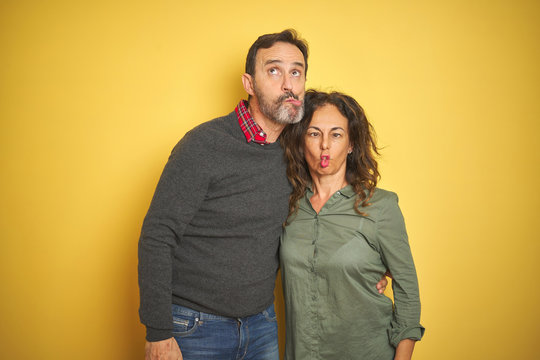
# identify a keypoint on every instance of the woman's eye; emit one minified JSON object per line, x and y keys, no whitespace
{"x":337,"y":135}
{"x":313,"y":134}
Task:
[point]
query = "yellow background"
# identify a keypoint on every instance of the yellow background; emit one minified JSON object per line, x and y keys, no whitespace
{"x":94,"y":95}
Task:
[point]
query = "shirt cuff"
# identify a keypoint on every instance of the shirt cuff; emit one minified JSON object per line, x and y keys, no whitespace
{"x":410,"y":332}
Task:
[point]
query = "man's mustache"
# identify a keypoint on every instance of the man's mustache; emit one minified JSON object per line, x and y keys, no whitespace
{"x":286,"y":96}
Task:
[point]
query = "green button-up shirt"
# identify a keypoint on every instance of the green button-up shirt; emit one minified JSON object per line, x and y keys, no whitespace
{"x":331,"y":262}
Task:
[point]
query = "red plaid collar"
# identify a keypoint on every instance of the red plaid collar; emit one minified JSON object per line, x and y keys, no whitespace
{"x":251,"y":130}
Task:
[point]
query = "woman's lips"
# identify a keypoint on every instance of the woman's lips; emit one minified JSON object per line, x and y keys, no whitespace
{"x":325,"y":159}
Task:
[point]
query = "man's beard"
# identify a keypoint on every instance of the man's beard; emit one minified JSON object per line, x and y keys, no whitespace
{"x":279,"y":111}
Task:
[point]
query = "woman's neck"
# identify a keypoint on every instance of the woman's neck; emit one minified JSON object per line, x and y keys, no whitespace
{"x":324,"y":187}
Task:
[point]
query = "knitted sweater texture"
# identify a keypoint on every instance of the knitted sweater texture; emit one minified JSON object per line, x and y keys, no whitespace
{"x":210,"y":238}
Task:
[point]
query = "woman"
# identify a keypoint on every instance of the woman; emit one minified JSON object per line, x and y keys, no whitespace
{"x":342,"y":234}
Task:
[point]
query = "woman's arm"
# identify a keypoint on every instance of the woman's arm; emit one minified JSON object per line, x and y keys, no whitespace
{"x":405,"y":349}
{"x":396,"y":255}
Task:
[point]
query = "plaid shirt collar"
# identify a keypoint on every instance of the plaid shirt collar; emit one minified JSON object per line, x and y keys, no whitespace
{"x":251,"y":130}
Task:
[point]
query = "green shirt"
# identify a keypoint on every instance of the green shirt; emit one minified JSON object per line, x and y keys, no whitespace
{"x":331,"y":262}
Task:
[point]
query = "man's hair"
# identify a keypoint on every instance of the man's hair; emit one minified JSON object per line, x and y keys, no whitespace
{"x":268,"y":40}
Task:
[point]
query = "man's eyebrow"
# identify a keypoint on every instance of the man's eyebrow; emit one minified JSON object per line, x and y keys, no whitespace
{"x":276,"y":61}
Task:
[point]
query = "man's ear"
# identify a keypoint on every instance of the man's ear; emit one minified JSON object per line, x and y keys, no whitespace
{"x":247,"y":81}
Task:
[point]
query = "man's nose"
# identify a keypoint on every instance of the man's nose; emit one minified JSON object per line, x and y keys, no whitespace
{"x":287,"y":84}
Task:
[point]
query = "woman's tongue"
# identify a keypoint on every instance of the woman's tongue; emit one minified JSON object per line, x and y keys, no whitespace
{"x":325,"y":159}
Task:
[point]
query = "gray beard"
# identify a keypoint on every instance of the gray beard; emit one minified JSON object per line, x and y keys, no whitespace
{"x":283,"y":115}
{"x":277,"y":111}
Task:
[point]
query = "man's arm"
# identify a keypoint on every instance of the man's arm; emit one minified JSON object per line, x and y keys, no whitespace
{"x":178,"y":196}
{"x":383,"y":283}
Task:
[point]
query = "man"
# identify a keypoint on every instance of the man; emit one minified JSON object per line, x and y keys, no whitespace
{"x":208,"y":247}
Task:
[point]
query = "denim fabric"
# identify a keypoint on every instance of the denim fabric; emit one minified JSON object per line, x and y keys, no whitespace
{"x":203,"y":336}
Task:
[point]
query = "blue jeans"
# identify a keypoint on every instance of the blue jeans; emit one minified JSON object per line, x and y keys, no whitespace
{"x":203,"y":336}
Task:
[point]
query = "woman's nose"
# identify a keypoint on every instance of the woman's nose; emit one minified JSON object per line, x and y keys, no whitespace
{"x":324,"y":143}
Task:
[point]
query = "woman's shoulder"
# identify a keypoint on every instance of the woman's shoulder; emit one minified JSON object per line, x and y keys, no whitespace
{"x":381,"y":196}
{"x":381,"y":201}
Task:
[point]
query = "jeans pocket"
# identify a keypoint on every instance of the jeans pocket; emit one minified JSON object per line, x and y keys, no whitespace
{"x":184,"y":324}
{"x":270,"y":314}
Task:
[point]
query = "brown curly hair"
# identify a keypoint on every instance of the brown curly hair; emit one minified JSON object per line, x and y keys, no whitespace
{"x":362,"y":169}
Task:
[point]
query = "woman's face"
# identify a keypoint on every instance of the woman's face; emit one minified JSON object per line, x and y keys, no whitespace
{"x":326,"y":142}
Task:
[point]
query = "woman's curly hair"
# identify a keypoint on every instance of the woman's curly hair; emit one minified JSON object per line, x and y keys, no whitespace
{"x":362,"y":171}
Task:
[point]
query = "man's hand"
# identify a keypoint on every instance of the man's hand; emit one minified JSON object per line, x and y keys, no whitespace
{"x":162,"y":350}
{"x":381,"y":285}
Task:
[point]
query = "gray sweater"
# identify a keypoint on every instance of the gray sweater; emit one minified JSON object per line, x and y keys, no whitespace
{"x":210,"y":238}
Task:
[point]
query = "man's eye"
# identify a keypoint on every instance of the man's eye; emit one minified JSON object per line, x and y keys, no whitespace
{"x":296,"y":73}
{"x":273,"y":71}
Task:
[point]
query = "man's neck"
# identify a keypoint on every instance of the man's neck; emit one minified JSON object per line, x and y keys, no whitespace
{"x":270,"y":127}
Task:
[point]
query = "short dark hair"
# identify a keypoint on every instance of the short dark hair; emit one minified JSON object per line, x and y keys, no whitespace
{"x":268,"y":40}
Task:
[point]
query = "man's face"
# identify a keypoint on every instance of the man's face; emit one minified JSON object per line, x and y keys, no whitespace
{"x":279,"y":83}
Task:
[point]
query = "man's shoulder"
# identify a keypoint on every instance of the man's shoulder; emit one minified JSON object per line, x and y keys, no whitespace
{"x":210,"y":135}
{"x":221,"y":126}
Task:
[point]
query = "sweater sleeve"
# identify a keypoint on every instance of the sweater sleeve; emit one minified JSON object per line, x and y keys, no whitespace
{"x":179,"y":193}
{"x":396,"y":254}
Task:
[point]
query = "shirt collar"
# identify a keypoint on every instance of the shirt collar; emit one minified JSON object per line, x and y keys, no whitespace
{"x":252,"y":131}
{"x":347,"y":191}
